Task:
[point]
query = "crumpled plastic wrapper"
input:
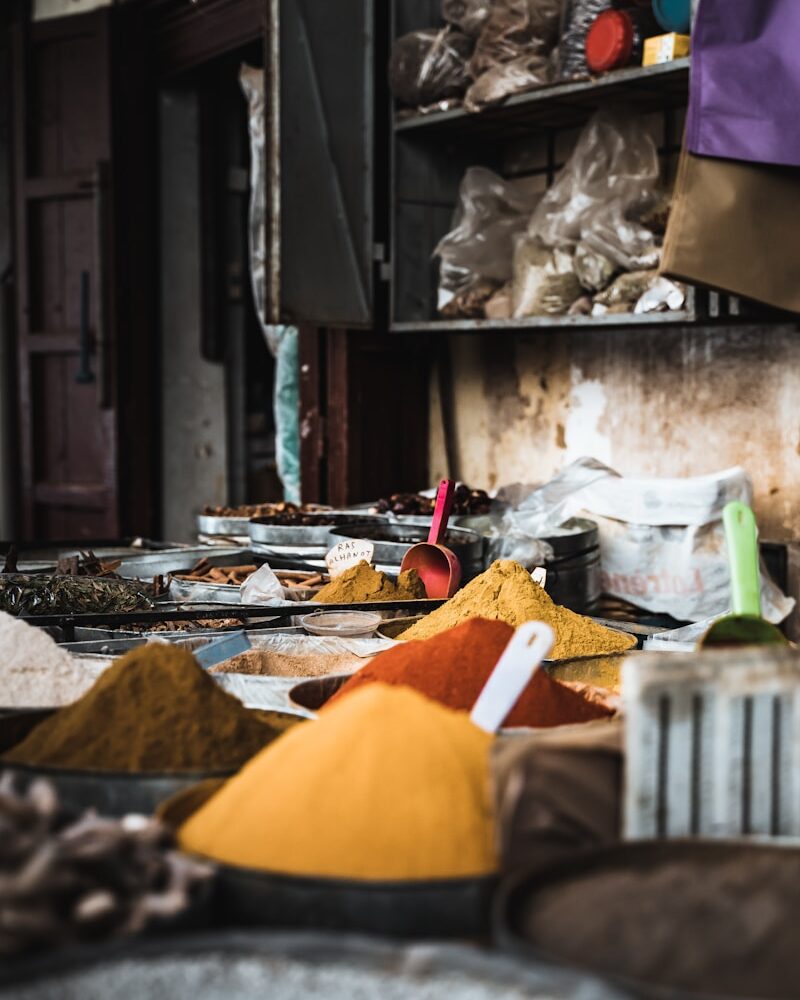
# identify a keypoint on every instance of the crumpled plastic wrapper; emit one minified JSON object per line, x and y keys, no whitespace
{"x":67,"y":879}
{"x":430,"y":66}
{"x":661,"y":296}
{"x":544,"y":280}
{"x":477,"y":254}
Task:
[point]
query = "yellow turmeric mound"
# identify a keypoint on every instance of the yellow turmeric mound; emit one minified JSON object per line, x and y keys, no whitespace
{"x":363,"y":583}
{"x":384,"y":785}
{"x":506,"y":591}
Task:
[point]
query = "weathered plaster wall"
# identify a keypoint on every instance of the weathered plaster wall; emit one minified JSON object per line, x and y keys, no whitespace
{"x":647,"y":402}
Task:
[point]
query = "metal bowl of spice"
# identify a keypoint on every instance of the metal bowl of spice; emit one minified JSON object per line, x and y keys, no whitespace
{"x":304,"y":534}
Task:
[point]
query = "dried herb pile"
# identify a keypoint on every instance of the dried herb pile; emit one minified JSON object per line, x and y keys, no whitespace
{"x":65,"y":880}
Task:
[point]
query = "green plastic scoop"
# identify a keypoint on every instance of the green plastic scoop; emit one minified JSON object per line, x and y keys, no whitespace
{"x":745,"y":627}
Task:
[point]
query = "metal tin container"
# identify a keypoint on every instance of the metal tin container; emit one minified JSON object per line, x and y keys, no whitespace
{"x":573,"y":574}
{"x":392,"y":541}
{"x":228,"y":527}
{"x":151,"y":564}
{"x":305,"y":540}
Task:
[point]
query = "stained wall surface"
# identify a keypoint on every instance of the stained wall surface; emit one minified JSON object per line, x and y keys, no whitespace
{"x":652,"y":402}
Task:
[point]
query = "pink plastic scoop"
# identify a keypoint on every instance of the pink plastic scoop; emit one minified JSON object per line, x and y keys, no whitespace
{"x":438,"y":567}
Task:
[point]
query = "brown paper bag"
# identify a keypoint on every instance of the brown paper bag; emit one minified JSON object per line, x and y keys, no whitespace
{"x":735,"y":227}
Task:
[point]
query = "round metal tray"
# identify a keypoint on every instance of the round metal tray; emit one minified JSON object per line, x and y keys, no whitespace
{"x":392,"y":540}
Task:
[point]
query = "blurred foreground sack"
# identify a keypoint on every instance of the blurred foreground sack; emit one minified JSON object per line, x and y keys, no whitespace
{"x":557,"y":791}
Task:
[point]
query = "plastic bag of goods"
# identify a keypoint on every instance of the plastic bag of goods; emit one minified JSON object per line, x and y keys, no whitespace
{"x":662,"y":541}
{"x":429,"y":66}
{"x":477,"y":254}
{"x":513,"y":50}
{"x":545,"y":283}
{"x":605,"y":189}
{"x":526,"y":72}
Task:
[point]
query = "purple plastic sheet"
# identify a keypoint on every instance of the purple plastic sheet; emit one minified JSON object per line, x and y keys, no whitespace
{"x":745,"y":89}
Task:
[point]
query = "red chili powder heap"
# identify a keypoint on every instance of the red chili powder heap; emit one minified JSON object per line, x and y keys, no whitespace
{"x":453,"y":667}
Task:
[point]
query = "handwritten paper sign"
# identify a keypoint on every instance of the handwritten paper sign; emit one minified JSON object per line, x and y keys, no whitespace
{"x":348,"y":553}
{"x":539,"y":575}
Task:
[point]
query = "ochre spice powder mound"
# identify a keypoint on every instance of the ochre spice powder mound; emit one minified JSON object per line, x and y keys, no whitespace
{"x":154,"y":710}
{"x":453,"y":667}
{"x":362,"y":583}
{"x":507,"y":592}
{"x":385,"y":785}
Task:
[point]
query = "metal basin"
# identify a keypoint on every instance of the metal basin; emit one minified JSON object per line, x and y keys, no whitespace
{"x":392,"y":541}
{"x":111,"y":793}
{"x":145,"y":567}
{"x":266,"y":534}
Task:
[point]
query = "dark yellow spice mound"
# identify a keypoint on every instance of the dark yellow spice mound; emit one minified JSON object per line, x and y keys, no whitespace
{"x":154,"y":710}
{"x":507,"y":593}
{"x":363,"y":583}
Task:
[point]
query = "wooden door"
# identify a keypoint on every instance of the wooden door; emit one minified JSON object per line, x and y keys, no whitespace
{"x":75,"y":345}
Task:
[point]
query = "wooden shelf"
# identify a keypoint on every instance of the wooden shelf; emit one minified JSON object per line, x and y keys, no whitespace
{"x":544,"y":323}
{"x":560,"y":106}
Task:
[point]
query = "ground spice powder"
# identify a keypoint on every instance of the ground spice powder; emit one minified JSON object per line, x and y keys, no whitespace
{"x":453,"y":667}
{"x":154,"y":710}
{"x":385,"y":785}
{"x":363,"y":583}
{"x":507,"y":592}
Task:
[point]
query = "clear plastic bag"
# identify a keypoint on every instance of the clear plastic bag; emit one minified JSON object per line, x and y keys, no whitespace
{"x":607,"y":185}
{"x":479,"y":248}
{"x":430,"y":66}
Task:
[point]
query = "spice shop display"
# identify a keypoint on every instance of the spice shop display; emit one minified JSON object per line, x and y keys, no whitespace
{"x":70,"y":879}
{"x":385,"y":785}
{"x":154,"y":710}
{"x":506,"y":592}
{"x":453,"y":667}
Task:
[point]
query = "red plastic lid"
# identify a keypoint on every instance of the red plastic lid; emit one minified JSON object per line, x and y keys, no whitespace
{"x":609,"y":42}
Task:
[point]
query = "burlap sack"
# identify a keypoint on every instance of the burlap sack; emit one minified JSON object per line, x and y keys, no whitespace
{"x":734,"y":227}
